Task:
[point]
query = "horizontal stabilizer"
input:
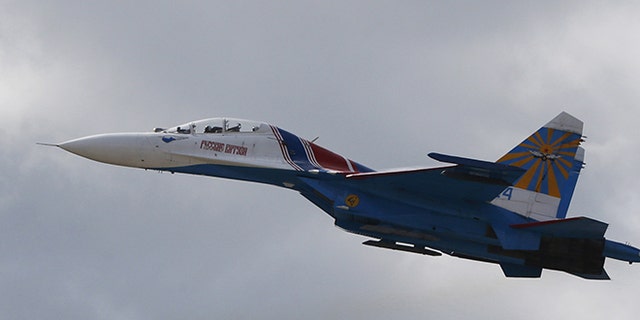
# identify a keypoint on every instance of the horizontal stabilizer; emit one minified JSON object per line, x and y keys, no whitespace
{"x":478,"y":170}
{"x":394,"y":246}
{"x":579,"y":227}
{"x":472,"y":162}
{"x":520,"y":271}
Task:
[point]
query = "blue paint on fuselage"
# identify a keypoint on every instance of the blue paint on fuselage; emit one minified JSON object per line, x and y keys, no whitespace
{"x":464,"y":228}
{"x":296,"y":150}
{"x":269,"y":176}
{"x":620,"y":251}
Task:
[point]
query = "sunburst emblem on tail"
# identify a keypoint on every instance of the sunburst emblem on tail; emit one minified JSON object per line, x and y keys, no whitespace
{"x":547,"y":155}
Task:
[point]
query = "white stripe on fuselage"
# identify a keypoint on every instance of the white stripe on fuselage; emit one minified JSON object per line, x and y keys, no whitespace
{"x":283,"y":148}
{"x":310,"y":155}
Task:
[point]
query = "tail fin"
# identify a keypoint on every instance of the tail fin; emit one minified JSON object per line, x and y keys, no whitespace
{"x":552,"y":158}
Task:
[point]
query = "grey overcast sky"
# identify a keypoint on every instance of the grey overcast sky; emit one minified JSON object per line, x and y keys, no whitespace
{"x":382,"y":82}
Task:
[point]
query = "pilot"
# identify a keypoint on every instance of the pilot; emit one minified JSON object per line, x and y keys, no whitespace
{"x":235,"y":129}
{"x":180,"y":130}
{"x":210,"y":129}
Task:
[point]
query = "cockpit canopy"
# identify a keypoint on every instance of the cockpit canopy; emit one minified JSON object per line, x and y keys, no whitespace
{"x":219,"y":126}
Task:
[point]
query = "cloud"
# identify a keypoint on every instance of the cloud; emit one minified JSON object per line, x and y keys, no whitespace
{"x":383,"y":83}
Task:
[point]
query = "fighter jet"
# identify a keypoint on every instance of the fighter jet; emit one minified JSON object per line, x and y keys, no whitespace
{"x":511,"y":212}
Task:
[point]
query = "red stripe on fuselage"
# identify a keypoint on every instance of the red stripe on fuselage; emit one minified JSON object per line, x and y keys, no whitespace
{"x":330,"y":160}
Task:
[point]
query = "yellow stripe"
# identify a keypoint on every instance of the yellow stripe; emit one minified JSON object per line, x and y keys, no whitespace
{"x":536,"y":139}
{"x":540,"y":176}
{"x":522,"y":162}
{"x":511,"y":156}
{"x":566,"y":153}
{"x":561,"y":139}
{"x":528,"y":145}
{"x":549,"y":135}
{"x":564,"y":171}
{"x":528,"y":176}
{"x":554,"y":190}
{"x":564,"y":162}
{"x":570,"y":144}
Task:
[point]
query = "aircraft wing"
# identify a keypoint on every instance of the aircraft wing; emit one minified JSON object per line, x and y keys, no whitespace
{"x":469,"y":180}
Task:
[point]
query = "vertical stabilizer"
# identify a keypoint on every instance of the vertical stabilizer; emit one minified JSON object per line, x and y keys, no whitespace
{"x":570,"y":185}
{"x":552,"y":159}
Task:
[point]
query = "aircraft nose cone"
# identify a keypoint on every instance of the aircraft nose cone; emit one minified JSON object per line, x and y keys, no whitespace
{"x":83,"y":146}
{"x":124,"y":149}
